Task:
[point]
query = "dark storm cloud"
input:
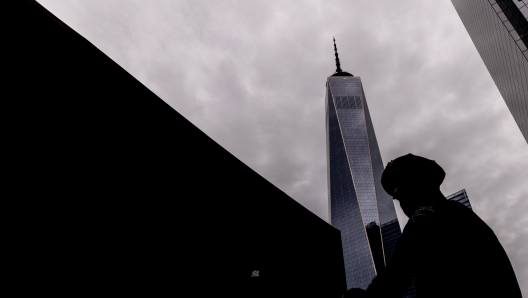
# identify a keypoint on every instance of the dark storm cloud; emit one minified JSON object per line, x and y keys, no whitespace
{"x":251,"y":75}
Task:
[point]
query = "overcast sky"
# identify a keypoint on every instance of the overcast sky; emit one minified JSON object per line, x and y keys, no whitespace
{"x":251,"y":75}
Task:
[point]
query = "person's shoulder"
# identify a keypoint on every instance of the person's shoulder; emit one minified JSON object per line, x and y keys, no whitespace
{"x":457,"y":206}
{"x":461,"y":214}
{"x":453,"y":213}
{"x":457,"y":210}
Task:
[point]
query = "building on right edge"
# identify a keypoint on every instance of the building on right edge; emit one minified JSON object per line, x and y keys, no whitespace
{"x":499,"y":30}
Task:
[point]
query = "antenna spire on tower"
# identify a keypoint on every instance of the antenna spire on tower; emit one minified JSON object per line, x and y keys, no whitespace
{"x":338,"y":65}
{"x":339,"y":72}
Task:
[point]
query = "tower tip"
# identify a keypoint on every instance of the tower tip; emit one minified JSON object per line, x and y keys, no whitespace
{"x":339,"y":71}
{"x":338,"y":65}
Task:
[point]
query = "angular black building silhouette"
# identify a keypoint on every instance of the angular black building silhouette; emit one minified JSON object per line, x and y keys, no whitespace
{"x":117,"y":193}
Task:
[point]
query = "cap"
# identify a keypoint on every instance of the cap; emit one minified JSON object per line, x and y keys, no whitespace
{"x":411,"y":169}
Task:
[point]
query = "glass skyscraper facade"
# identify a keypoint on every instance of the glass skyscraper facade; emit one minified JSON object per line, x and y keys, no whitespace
{"x":499,"y":30}
{"x":358,"y":205}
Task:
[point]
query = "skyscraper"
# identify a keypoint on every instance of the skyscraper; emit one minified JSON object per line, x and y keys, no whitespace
{"x":499,"y":30}
{"x":358,"y":205}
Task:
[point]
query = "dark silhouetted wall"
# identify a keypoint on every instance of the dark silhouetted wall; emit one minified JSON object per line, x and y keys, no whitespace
{"x":116,"y":193}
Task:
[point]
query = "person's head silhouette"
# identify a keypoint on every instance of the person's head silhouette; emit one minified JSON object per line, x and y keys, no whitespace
{"x":414,"y":181}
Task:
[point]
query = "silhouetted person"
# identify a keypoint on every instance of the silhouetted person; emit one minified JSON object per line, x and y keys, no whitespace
{"x":445,"y":246}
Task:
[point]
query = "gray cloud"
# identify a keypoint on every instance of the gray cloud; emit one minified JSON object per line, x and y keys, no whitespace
{"x":251,"y":75}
